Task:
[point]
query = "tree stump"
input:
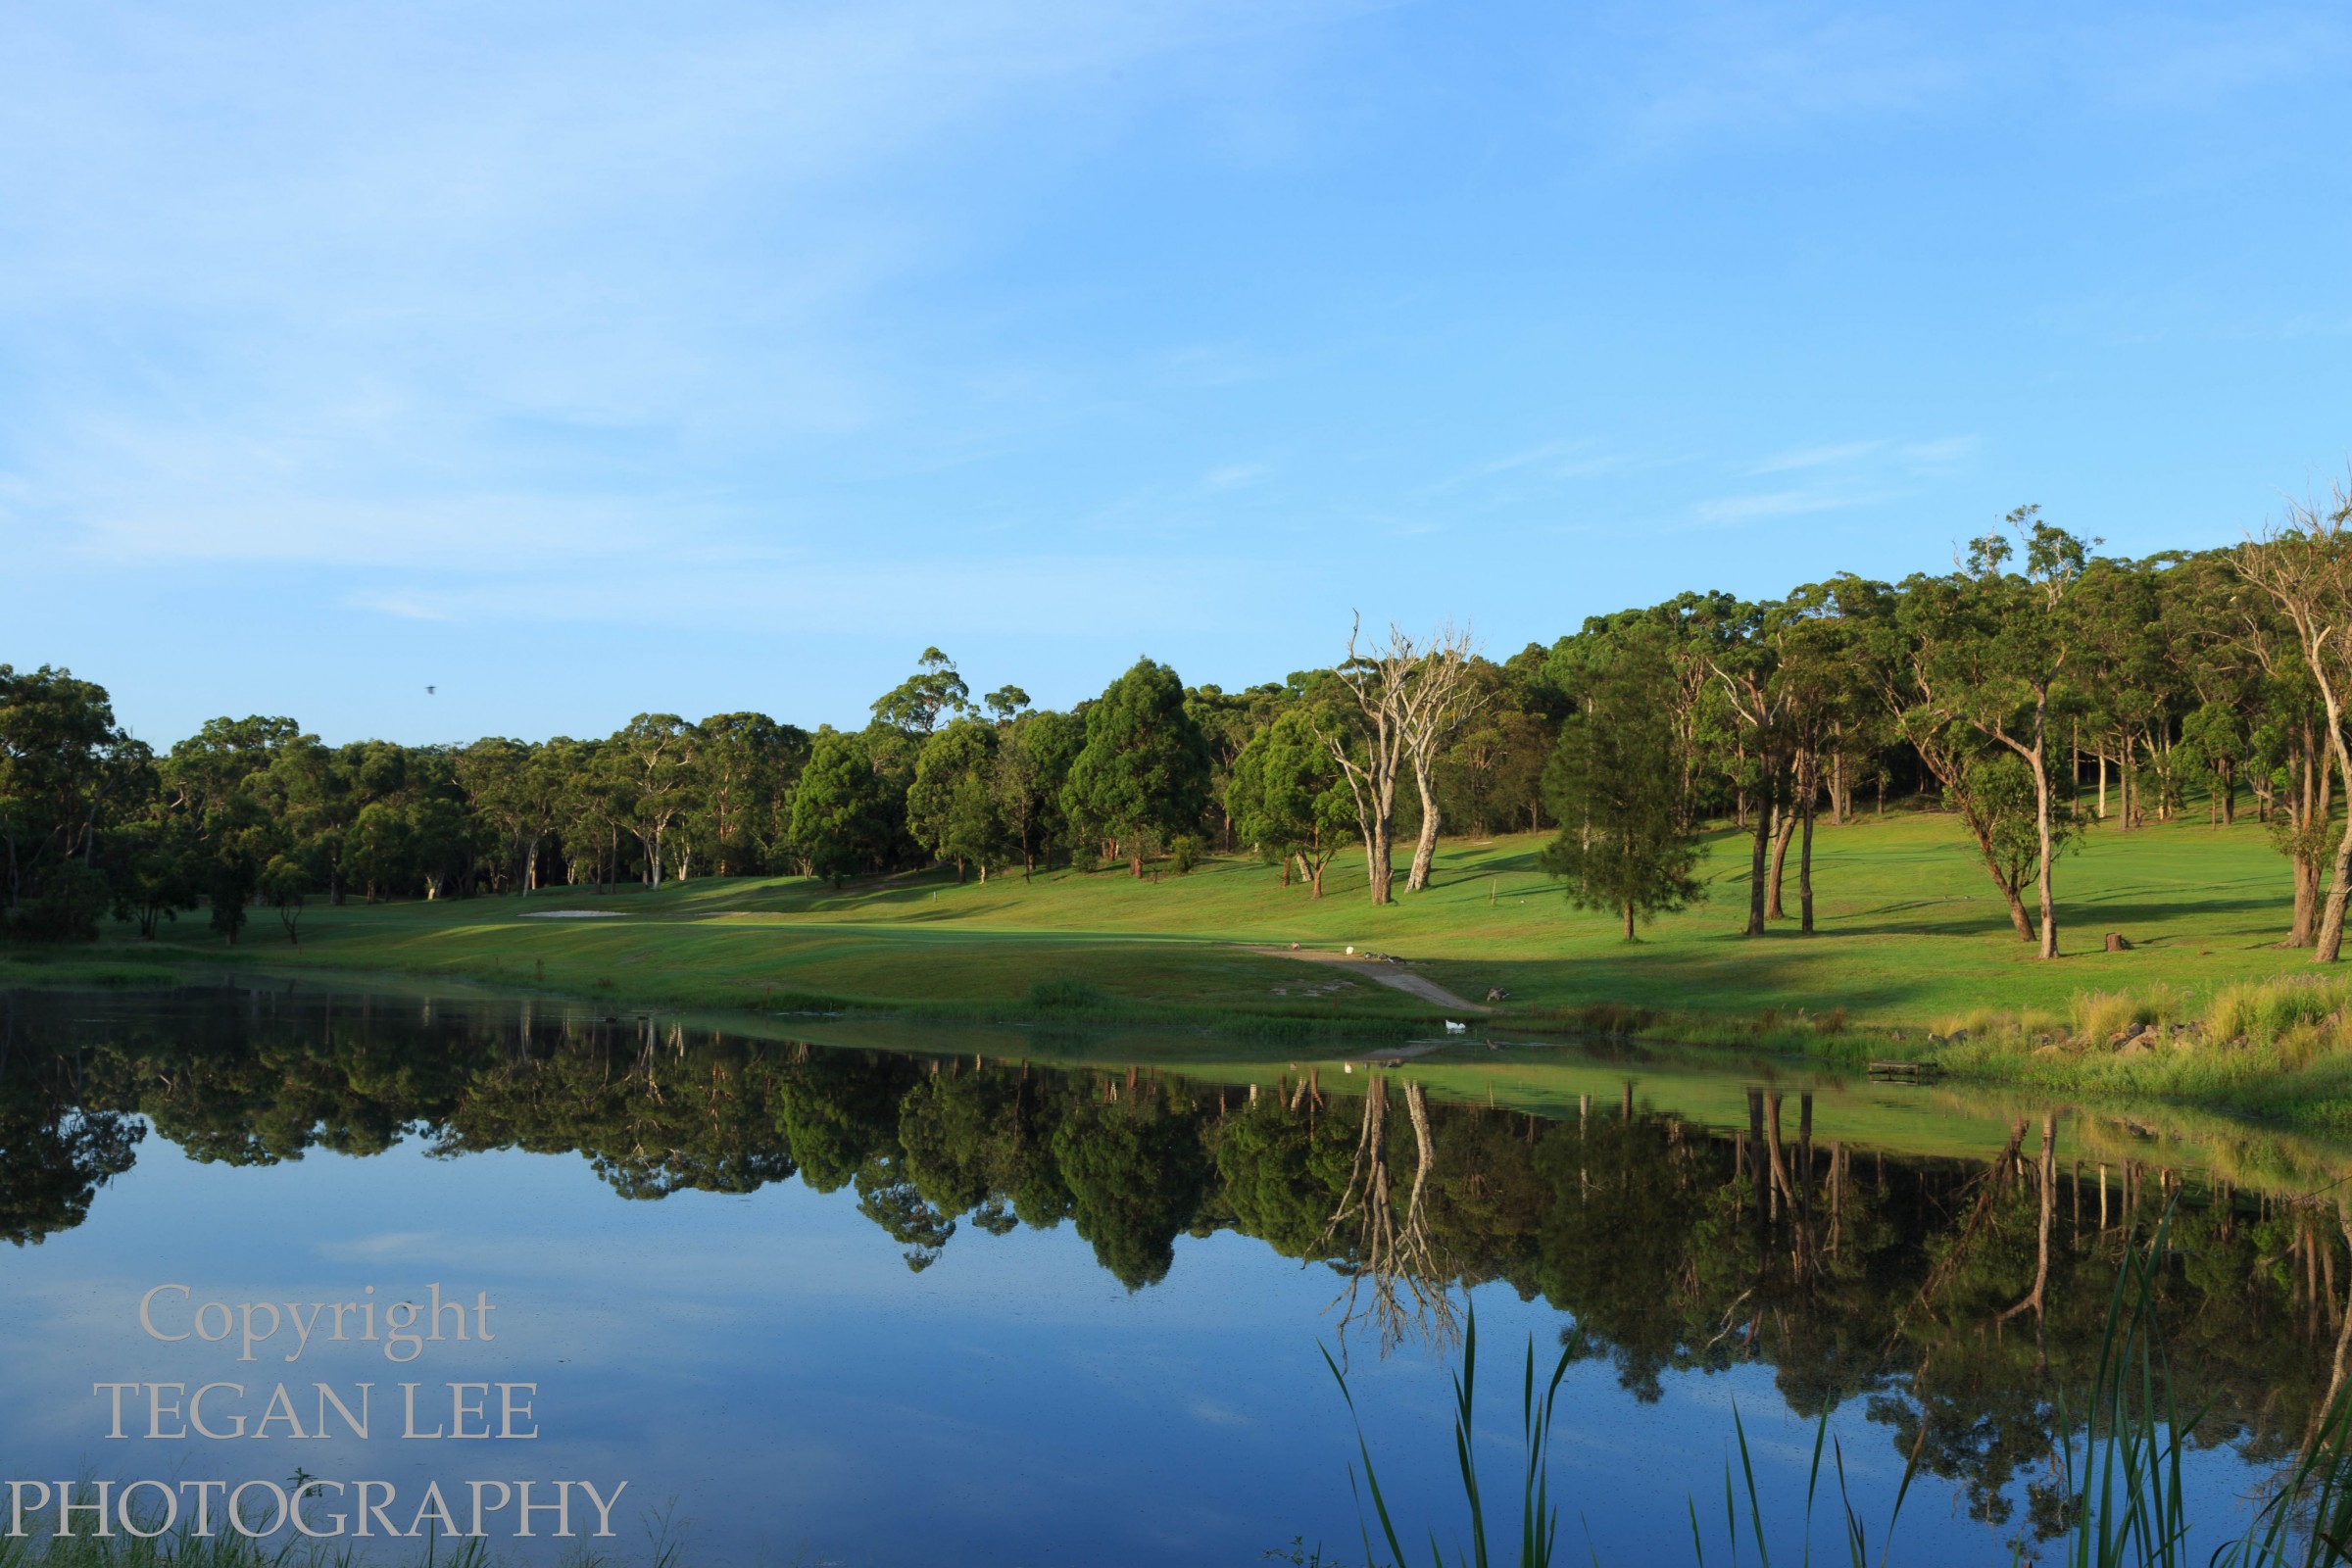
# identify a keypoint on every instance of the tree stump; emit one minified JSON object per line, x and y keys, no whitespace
{"x":2117,"y":942}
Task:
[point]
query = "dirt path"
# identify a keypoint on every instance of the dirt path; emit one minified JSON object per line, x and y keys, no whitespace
{"x":1387,"y":974}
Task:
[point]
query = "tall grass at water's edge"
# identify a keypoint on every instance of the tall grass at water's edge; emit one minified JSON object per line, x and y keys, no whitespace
{"x":2127,"y":1505}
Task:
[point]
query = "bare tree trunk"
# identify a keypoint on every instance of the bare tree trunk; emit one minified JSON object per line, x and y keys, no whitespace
{"x":2041,"y":823}
{"x":1425,"y":850}
{"x":1755,"y":873}
{"x":1805,"y":864}
{"x":1783,"y":826}
{"x":2048,"y":1171}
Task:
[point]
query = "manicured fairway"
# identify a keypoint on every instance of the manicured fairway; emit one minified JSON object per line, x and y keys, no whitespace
{"x":1910,"y":934}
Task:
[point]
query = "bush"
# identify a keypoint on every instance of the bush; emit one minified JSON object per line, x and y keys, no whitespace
{"x":1184,"y":853}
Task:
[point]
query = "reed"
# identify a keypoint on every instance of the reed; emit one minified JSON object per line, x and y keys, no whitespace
{"x":2122,"y":1466}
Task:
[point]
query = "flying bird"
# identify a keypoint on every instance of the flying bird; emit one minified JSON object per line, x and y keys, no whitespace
{"x":429,"y":690}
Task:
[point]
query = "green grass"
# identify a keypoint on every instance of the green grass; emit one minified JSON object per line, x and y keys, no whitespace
{"x":1911,"y":939}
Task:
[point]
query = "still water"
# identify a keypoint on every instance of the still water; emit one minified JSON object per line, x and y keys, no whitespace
{"x":1023,"y":1296}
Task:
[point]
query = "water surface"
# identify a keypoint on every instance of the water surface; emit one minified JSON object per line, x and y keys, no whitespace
{"x":1005,"y":1297}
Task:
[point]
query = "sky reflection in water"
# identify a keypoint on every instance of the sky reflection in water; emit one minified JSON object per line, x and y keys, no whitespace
{"x":766,"y":1368}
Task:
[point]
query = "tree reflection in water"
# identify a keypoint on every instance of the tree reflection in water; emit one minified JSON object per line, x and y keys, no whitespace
{"x":1953,"y":1299}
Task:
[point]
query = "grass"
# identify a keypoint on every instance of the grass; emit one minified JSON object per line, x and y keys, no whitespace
{"x":1911,"y":940}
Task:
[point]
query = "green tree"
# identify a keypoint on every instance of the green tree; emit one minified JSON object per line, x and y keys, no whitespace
{"x":953,"y":807}
{"x":1144,"y":770}
{"x":1612,"y":784}
{"x":67,"y":773}
{"x":841,"y":821}
{"x":935,"y":692}
{"x":1288,"y":799}
{"x":1034,"y":754}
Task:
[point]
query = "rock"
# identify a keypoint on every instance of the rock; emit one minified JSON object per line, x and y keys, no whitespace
{"x":1934,"y":1039}
{"x":1956,"y":1037}
{"x":2046,"y":1051}
{"x":2137,"y":1048}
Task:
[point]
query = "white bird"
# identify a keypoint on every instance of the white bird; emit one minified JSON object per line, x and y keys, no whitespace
{"x":1454,"y":1028}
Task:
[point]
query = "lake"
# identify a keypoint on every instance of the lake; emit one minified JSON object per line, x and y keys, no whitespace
{"x":862,"y":1294}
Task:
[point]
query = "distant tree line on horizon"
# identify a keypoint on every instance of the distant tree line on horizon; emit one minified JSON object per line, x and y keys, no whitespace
{"x":2006,"y":690}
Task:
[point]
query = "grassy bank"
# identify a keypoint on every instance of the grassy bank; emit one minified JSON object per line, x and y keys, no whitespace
{"x":1911,"y":942}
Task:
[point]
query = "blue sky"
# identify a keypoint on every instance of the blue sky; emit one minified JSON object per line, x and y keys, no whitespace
{"x":586,"y":358}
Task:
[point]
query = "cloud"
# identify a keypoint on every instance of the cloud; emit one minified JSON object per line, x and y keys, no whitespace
{"x":387,"y":1244}
{"x":1236,"y":475}
{"x":1781,"y":504}
{"x":1816,"y":456}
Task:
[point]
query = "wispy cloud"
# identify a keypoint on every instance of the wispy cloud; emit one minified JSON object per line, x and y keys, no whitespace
{"x":1816,"y":456}
{"x":1236,"y":475}
{"x":1781,"y":504}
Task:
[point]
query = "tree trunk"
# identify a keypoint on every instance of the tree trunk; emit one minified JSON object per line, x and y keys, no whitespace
{"x":1804,"y":866}
{"x":1783,"y":826}
{"x":1756,"y":874}
{"x":2331,"y":920}
{"x":2041,"y":824}
{"x":2102,"y":778}
{"x":1425,"y":849}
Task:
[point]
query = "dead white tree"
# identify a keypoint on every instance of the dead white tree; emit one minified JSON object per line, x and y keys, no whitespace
{"x":1403,"y":700}
{"x":1410,"y":1285}
{"x":1444,"y":696}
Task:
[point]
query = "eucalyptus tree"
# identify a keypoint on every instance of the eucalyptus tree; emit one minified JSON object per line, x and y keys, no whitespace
{"x":2003,"y":659}
{"x":745,"y":767}
{"x":1288,"y":800}
{"x":1382,"y":709}
{"x":1144,"y":770}
{"x":1034,"y":754}
{"x":1228,"y":720}
{"x":2305,"y":565}
{"x":1818,"y":676}
{"x":1443,"y":697}
{"x":1623,"y":844}
{"x":1005,"y":705}
{"x":655,"y":753}
{"x":215,"y":777}
{"x":67,"y":772}
{"x":952,"y":807}
{"x":933,"y":694}
{"x":841,"y":809}
{"x":1746,"y":668}
{"x":497,"y":778}
{"x":1900,"y":638}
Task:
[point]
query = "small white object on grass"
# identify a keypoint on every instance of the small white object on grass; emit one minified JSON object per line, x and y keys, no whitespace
{"x":1351,"y":953}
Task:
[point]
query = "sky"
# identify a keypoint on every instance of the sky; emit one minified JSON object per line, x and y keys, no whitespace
{"x":578,"y":361}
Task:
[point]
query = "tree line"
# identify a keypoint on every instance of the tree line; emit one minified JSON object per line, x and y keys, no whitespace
{"x":2033,"y":691}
